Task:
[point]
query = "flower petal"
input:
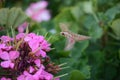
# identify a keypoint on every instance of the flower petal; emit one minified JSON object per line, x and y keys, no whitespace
{"x":21,"y":77}
{"x":4,"y":55}
{"x":34,"y":44}
{"x":42,"y":53}
{"x":13,"y":54}
{"x":5,"y":64}
{"x":22,"y":27}
{"x":31,"y":69}
{"x":37,"y":62}
{"x":12,"y":65}
{"x":5,"y":38}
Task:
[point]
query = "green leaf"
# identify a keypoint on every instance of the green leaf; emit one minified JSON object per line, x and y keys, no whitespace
{"x":94,"y":30}
{"x":116,"y":27}
{"x":65,"y":16}
{"x":64,"y":53}
{"x":76,"y":12}
{"x":20,"y":18}
{"x":119,"y":53}
{"x":12,"y":16}
{"x":86,"y":71}
{"x":76,"y":75}
{"x":112,"y":12}
{"x":3,"y":16}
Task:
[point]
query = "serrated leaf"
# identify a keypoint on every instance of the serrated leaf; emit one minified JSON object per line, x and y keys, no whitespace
{"x":116,"y":28}
{"x":76,"y":75}
{"x":13,"y":13}
{"x":20,"y":19}
{"x":3,"y":16}
{"x":12,"y":17}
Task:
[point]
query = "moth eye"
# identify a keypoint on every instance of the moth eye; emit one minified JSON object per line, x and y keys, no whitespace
{"x":62,"y":33}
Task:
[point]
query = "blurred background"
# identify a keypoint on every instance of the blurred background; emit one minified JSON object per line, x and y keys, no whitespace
{"x":94,"y":59}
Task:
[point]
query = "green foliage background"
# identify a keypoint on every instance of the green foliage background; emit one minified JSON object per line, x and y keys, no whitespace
{"x":95,"y":59}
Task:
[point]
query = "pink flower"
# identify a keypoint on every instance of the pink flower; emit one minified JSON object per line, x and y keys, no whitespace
{"x":37,"y":44}
{"x":45,"y":75}
{"x":8,"y":57}
{"x":28,"y":61}
{"x":27,"y":76}
{"x":42,"y":15}
{"x":0,"y":51}
{"x":5,"y":38}
{"x":45,"y":45}
{"x":5,"y":47}
{"x":57,"y":78}
{"x":34,"y":44}
{"x":2,"y":46}
{"x":41,"y":52}
{"x":20,"y":36}
{"x":31,"y":69}
{"x":3,"y":78}
{"x":37,"y":62}
{"x":22,"y":27}
{"x":38,"y":12}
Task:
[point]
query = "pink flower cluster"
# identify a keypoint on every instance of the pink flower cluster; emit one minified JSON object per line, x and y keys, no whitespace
{"x":24,"y":58}
{"x":38,"y":12}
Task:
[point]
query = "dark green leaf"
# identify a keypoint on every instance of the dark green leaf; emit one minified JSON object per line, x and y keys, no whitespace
{"x":3,"y":16}
{"x":76,"y":75}
{"x":116,"y":28}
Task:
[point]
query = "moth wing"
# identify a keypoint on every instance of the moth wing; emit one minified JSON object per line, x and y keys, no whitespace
{"x":78,"y":37}
{"x":69,"y":43}
{"x":64,"y":27}
{"x":82,"y":37}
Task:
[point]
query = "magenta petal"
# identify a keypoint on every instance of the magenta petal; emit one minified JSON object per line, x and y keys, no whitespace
{"x":47,"y":76}
{"x":37,"y":74}
{"x":3,"y":78}
{"x":43,"y":53}
{"x":34,"y":44}
{"x":22,"y":27}
{"x":11,"y":65}
{"x":5,"y":38}
{"x":21,"y":77}
{"x":13,"y":54}
{"x":5,"y":64}
{"x":0,"y":51}
{"x":29,"y":78}
{"x":39,"y":5}
{"x":26,"y":73}
{"x":4,"y":55}
{"x":20,"y":36}
{"x":2,"y":46}
{"x":27,"y":38}
{"x":32,"y":35}
{"x":31,"y":69}
{"x":37,"y":62}
{"x":57,"y":78}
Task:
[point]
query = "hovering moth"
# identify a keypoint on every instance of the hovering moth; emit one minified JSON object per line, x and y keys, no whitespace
{"x":71,"y":37}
